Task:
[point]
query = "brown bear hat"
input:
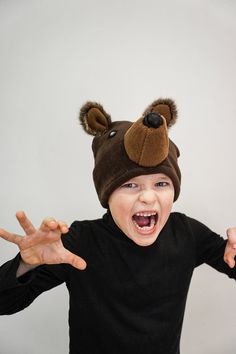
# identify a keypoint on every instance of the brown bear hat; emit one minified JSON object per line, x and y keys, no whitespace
{"x":123,"y":149}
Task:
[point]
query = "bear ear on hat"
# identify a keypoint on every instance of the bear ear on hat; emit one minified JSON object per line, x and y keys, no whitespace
{"x":165,"y":107}
{"x":94,"y":119}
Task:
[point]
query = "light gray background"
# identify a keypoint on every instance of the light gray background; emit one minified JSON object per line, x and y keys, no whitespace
{"x":54,"y":56}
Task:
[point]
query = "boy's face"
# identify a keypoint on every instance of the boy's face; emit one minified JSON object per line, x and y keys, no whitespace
{"x":141,"y":207}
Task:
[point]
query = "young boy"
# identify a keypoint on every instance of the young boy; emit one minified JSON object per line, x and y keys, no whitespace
{"x":137,"y":260}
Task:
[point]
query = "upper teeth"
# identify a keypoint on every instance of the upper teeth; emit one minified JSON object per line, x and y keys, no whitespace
{"x":146,"y":214}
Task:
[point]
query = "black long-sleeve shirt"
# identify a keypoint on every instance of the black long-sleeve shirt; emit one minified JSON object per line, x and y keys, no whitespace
{"x":130,"y":299}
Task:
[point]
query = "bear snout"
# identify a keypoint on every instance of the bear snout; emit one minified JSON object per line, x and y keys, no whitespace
{"x":153,"y":120}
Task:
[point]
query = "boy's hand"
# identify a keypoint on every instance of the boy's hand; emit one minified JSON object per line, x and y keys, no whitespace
{"x":230,"y":249}
{"x":43,"y":245}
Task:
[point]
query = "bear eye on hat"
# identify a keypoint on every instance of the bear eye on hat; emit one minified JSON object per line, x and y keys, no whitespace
{"x":124,"y":149}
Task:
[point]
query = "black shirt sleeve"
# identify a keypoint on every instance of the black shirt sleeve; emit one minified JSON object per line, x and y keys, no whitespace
{"x":210,"y":248}
{"x":18,"y":293}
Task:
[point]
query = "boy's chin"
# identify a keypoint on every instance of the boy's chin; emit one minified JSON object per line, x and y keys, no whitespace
{"x":144,"y":240}
{"x":144,"y":237}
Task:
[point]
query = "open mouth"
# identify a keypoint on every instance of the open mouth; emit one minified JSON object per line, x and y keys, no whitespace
{"x":145,"y":221}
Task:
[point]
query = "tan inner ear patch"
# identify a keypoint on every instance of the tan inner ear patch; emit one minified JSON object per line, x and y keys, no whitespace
{"x":96,"y":120}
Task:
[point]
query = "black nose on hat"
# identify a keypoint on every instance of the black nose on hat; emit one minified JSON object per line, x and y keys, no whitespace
{"x":153,"y":120}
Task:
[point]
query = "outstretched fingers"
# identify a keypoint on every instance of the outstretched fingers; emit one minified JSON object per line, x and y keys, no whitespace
{"x":231,"y":234}
{"x":25,"y":223}
{"x":50,"y":224}
{"x":44,"y":241}
{"x":230,"y":249}
{"x":8,"y":236}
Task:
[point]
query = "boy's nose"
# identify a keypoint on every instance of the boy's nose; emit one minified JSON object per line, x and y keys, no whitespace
{"x":148,"y":196}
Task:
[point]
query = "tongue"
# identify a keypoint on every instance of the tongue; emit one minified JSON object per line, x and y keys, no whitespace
{"x":141,"y":220}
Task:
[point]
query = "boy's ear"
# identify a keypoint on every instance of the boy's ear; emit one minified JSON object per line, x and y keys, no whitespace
{"x":93,"y":118}
{"x":166,"y":107}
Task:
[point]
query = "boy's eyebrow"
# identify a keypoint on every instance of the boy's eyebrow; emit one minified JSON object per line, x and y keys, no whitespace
{"x":163,"y":177}
{"x":160,"y":177}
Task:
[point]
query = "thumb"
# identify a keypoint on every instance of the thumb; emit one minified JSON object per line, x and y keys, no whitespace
{"x":75,"y":261}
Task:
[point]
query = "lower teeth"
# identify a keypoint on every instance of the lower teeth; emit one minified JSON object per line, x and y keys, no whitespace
{"x":145,"y":228}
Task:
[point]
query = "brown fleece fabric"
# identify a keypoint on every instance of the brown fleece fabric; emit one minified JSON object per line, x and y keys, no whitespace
{"x":123,"y":150}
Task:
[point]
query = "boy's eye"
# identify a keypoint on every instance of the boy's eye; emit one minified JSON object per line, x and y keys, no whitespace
{"x":162,"y":184}
{"x":129,"y":185}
